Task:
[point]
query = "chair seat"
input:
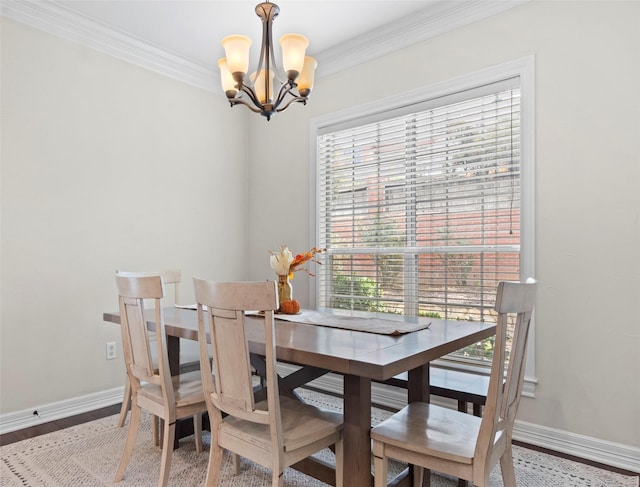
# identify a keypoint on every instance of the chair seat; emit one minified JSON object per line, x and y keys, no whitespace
{"x":187,"y":388}
{"x":302,"y":425}
{"x":431,"y":430}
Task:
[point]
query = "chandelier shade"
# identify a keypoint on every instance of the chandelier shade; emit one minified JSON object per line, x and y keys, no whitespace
{"x":236,"y":50}
{"x":268,"y":89}
{"x":306,"y":78}
{"x":293,"y":50}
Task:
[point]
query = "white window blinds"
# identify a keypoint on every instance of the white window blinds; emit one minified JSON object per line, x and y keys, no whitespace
{"x":419,"y":209}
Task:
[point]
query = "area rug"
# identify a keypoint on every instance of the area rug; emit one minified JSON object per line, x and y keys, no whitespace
{"x":87,"y":455}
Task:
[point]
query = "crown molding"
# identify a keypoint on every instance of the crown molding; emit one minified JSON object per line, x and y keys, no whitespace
{"x":436,"y":19}
{"x":58,"y":20}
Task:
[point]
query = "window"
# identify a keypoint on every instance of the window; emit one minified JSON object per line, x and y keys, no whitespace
{"x":421,"y":207}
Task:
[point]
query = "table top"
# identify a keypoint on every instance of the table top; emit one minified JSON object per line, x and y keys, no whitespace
{"x":378,"y":357}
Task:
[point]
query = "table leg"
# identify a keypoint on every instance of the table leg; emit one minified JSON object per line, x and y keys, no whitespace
{"x":418,"y":391}
{"x":418,"y":384}
{"x":357,"y":423}
{"x":173,"y":353}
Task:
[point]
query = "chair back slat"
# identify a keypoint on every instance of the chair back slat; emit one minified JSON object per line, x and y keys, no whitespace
{"x":232,"y":360}
{"x":505,"y":391}
{"x":515,"y":373}
{"x":138,"y":337}
{"x":230,"y":383}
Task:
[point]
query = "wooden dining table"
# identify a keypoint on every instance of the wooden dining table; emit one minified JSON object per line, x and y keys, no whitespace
{"x":358,"y":356}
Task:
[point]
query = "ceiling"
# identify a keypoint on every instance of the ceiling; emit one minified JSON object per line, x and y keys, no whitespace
{"x":193,"y":29}
{"x":185,"y":35}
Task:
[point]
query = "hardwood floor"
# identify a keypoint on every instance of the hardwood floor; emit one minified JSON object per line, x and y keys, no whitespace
{"x":51,"y":426}
{"x":59,"y":424}
{"x":621,"y":471}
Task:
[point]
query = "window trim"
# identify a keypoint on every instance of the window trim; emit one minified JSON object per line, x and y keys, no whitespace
{"x":524,"y":68}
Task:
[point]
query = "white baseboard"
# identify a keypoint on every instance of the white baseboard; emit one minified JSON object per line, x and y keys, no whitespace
{"x":58,"y":410}
{"x":615,"y":454}
{"x":587,"y":447}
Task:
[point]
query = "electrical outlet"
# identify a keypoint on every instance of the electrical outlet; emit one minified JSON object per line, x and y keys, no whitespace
{"x":111,"y":350}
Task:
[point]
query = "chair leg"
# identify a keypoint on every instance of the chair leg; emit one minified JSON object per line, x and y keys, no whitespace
{"x":126,"y":403}
{"x":167,"y":451}
{"x":155,"y":429}
{"x":215,"y":464}
{"x":134,"y":423}
{"x":506,"y":466}
{"x":277,"y":477}
{"x":339,"y":463}
{"x":418,"y":476}
{"x":463,"y":407}
{"x":235,"y":461}
{"x":380,"y":465}
{"x":197,"y":431}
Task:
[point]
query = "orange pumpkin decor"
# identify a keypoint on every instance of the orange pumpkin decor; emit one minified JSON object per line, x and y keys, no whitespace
{"x":290,"y":307}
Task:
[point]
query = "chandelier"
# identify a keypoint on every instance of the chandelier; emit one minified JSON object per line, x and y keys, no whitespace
{"x":294,"y":84}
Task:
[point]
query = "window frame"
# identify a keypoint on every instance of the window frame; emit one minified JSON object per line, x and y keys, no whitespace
{"x":523,"y":69}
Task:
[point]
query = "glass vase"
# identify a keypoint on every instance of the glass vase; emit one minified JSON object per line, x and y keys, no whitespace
{"x":285,"y":290}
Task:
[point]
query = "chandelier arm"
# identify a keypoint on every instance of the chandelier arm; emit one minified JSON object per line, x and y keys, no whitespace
{"x":252,"y":95}
{"x":261,"y":59}
{"x":266,"y":47}
{"x":299,"y":99}
{"x":276,"y":69}
{"x":285,"y":89}
{"x":242,"y":101}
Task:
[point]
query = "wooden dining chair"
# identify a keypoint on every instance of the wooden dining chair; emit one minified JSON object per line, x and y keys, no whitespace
{"x":275,"y":433}
{"x":155,"y":390}
{"x":452,"y":442}
{"x":174,"y":277}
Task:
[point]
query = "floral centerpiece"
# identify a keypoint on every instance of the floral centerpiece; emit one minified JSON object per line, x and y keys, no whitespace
{"x":285,"y":265}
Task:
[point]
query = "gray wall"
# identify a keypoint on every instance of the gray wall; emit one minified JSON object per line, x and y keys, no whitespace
{"x":105,"y":166}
